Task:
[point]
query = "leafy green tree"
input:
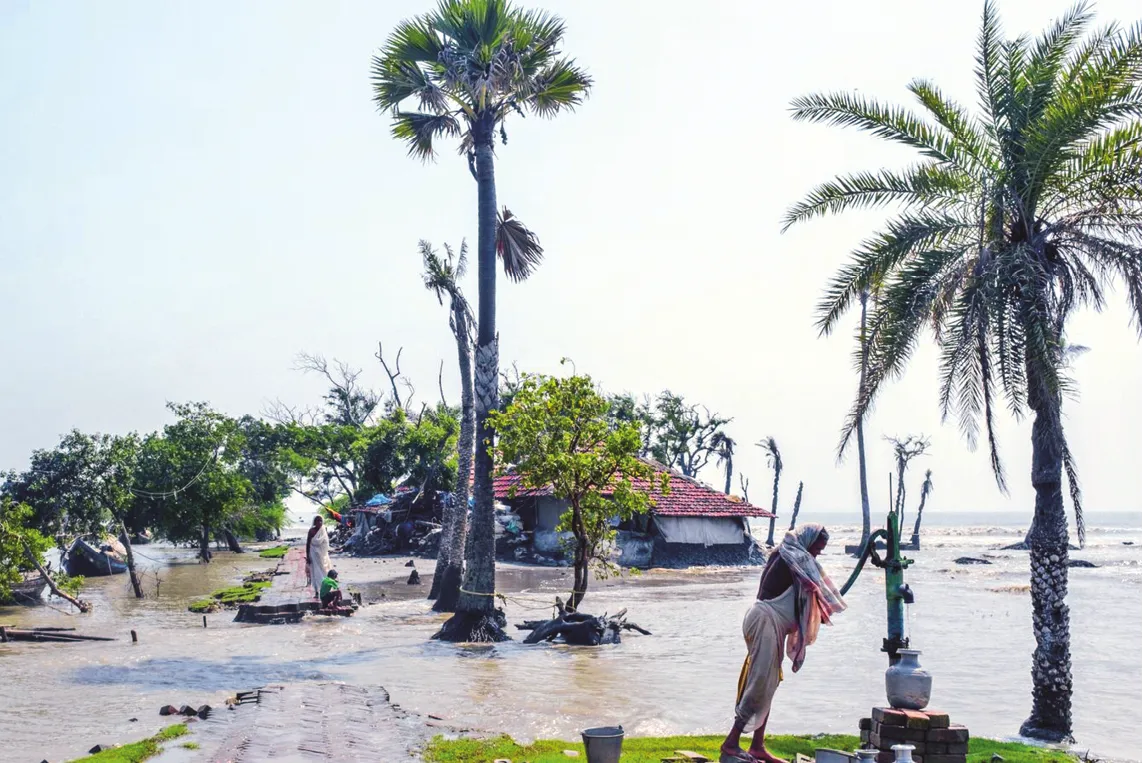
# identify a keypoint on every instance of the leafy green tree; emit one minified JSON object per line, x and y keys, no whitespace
{"x":466,"y":67}
{"x":772,"y":453}
{"x":1014,"y":217}
{"x":440,"y":275}
{"x":22,"y":550}
{"x":626,"y":409}
{"x":557,"y":435}
{"x":194,"y":483}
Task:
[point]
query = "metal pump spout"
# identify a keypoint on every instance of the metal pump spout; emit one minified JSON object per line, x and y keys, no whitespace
{"x":906,"y":594}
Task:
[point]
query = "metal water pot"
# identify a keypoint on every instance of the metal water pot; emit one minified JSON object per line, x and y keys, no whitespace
{"x":908,"y":684}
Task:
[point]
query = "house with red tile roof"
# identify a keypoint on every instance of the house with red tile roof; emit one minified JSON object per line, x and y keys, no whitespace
{"x":690,"y":525}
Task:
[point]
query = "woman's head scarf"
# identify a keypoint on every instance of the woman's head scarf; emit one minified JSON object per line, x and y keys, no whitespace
{"x":817,"y":597}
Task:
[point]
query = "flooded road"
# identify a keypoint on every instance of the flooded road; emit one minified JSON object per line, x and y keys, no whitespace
{"x":973,"y":625}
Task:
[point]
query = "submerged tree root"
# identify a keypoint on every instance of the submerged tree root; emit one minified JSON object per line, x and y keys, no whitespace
{"x":474,"y":628}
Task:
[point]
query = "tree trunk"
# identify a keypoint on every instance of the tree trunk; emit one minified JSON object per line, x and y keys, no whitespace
{"x":455,"y":541}
{"x":900,"y":495}
{"x":123,"y":536}
{"x":79,"y":604}
{"x":1050,"y":717}
{"x":205,"y":545}
{"x":728,"y":477}
{"x":775,"y":508}
{"x":232,"y":542}
{"x":476,"y":602}
{"x":865,"y":504}
{"x":918,"y":521}
{"x":796,"y":508}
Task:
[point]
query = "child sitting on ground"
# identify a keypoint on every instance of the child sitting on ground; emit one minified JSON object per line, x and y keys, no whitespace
{"x":329,"y":594}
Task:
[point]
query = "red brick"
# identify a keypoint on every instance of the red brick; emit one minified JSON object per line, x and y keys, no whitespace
{"x":937,"y":719}
{"x":889,"y":717}
{"x":899,"y":733}
{"x":916,"y":719}
{"x":949,"y":735}
{"x":865,"y":724}
{"x":935,"y":748}
{"x":957,"y":748}
{"x":885,"y":756}
{"x":949,"y":758}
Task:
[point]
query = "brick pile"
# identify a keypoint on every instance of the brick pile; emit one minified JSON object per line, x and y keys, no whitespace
{"x":934,"y":738}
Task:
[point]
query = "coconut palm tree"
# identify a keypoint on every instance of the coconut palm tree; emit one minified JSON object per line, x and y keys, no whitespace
{"x":924,"y":492}
{"x":865,"y":358}
{"x":724,"y":446}
{"x":773,"y":454}
{"x":460,"y":71}
{"x":1015,"y":216}
{"x":441,"y":276}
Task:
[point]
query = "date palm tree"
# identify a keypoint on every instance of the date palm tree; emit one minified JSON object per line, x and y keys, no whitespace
{"x":772,"y":452}
{"x":441,"y":276}
{"x":458,"y":72}
{"x":861,"y":446}
{"x":1015,"y":216}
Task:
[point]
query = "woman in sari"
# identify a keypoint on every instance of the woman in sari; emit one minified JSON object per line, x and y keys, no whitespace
{"x":317,"y":554}
{"x":794,"y":597}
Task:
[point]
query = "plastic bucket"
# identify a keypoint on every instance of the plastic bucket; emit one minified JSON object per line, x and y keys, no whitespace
{"x":603,"y":744}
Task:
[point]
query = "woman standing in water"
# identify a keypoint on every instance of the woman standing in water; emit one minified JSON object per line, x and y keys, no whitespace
{"x":317,"y":554}
{"x":794,"y":597}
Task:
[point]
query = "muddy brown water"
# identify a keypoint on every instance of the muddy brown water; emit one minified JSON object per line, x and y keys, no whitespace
{"x":973,"y":626}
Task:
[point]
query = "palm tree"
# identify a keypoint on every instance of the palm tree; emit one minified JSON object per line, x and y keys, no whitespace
{"x":773,"y":454}
{"x":796,"y":507}
{"x":924,"y":492}
{"x":441,"y":276}
{"x":724,"y":446}
{"x":865,"y":358}
{"x":1013,"y":218}
{"x":466,"y":66}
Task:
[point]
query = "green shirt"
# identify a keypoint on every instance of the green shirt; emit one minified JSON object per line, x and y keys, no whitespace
{"x":328,"y":584}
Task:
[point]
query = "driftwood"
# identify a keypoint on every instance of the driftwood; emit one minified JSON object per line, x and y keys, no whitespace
{"x":579,"y":628}
{"x":61,"y":635}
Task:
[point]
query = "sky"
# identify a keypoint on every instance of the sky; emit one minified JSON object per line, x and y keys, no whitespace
{"x":193,"y":193}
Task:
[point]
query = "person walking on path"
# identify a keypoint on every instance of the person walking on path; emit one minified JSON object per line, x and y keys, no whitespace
{"x":794,"y":597}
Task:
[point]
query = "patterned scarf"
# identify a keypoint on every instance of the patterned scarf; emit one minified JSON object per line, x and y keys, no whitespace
{"x":817,"y":598}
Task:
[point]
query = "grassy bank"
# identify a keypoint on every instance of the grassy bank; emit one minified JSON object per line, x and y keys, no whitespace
{"x":654,"y":749}
{"x":137,"y":751}
{"x":278,"y":552}
{"x":230,"y":597}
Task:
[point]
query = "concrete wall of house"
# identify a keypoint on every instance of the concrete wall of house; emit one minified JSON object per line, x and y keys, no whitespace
{"x":549,"y":511}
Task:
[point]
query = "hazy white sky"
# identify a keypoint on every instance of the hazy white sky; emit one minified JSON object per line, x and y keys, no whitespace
{"x":192,"y":193}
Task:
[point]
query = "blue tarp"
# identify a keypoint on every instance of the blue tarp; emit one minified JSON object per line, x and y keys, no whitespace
{"x":379,"y":500}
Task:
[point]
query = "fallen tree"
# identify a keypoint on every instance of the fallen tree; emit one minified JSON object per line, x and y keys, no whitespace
{"x":579,"y":628}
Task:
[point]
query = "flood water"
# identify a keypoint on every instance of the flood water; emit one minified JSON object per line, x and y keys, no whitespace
{"x":972,"y":623}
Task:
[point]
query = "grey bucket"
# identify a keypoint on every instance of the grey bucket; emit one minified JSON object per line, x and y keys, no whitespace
{"x":603,"y":744}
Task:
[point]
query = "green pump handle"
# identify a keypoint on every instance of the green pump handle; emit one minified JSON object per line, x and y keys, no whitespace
{"x":869,"y":552}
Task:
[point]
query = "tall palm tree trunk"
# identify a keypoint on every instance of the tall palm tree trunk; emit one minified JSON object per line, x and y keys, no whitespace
{"x":775,"y":508}
{"x":865,"y":504}
{"x":478,"y":586}
{"x":796,"y":507}
{"x":1050,"y":717}
{"x":451,"y":554}
{"x":728,"y":477}
{"x":918,"y":521}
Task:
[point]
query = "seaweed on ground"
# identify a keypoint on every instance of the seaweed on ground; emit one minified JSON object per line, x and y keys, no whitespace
{"x":278,"y":552}
{"x":137,"y":751}
{"x":224,"y":598}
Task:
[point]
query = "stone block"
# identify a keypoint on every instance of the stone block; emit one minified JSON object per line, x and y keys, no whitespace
{"x":865,"y":724}
{"x":865,"y":737}
{"x":949,"y":735}
{"x":888,"y":716}
{"x":957,"y":748}
{"x":935,"y":748}
{"x":917,"y":720}
{"x":885,"y":756}
{"x":874,"y":740}
{"x":937,"y":720}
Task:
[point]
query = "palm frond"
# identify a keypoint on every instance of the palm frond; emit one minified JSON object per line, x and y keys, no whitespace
{"x":517,"y":246}
{"x":1071,"y":469}
{"x":419,"y":130}
{"x":560,"y":85}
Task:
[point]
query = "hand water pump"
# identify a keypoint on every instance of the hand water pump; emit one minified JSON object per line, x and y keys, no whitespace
{"x":898,"y":592}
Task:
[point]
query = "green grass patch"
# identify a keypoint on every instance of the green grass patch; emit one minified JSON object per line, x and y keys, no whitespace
{"x":190,"y":745}
{"x":138,"y":751}
{"x":278,"y":552}
{"x":654,"y":749}
{"x":246,"y":593}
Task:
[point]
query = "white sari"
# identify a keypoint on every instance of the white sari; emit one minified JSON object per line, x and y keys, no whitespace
{"x":319,"y":560}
